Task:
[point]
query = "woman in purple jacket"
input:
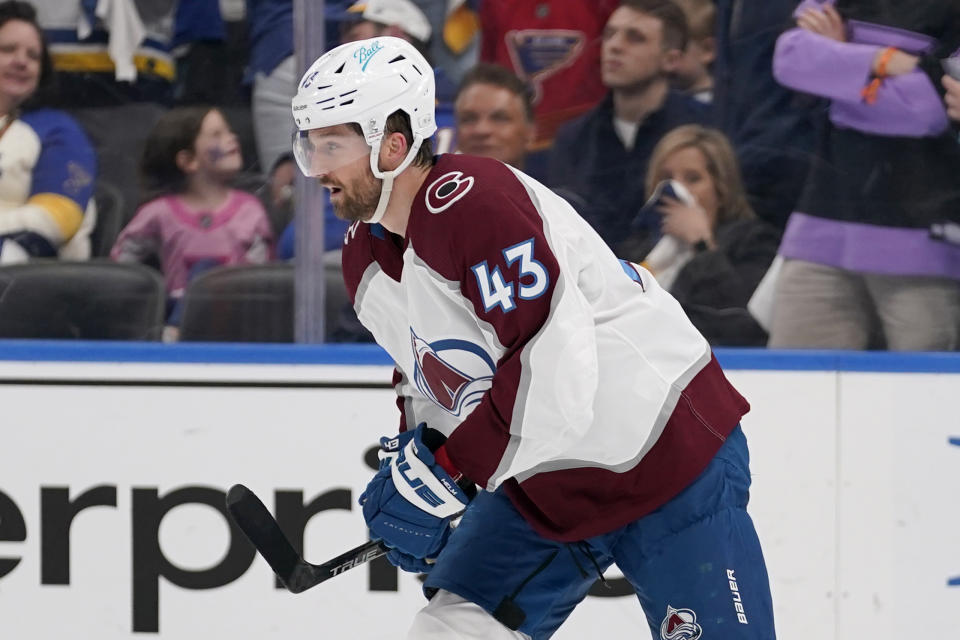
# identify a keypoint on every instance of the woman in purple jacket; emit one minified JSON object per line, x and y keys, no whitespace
{"x":864,"y":264}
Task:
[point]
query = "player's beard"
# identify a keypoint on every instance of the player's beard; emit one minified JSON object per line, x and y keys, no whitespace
{"x":360,"y":200}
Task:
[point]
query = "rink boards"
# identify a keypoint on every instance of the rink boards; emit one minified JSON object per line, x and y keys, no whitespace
{"x":115,"y":460}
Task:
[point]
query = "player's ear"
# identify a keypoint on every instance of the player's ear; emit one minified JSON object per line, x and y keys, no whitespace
{"x":393,"y":149}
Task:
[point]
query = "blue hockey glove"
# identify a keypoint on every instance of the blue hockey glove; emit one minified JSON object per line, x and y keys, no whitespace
{"x":408,"y":563}
{"x":411,"y":500}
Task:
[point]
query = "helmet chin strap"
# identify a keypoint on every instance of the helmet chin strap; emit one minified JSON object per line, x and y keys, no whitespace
{"x":388,"y":176}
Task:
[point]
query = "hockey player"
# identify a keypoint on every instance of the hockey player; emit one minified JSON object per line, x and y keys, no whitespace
{"x":567,"y":385}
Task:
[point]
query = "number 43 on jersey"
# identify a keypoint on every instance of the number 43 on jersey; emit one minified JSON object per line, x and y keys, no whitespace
{"x":531,"y":282}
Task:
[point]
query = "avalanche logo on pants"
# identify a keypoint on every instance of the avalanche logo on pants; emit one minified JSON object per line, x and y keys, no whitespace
{"x":453,"y":373}
{"x":680,"y":624}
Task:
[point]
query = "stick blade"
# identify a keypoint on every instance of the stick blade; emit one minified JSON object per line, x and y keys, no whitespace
{"x":257,"y":523}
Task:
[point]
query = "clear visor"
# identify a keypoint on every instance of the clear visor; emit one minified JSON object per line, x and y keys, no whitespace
{"x":321,"y":151}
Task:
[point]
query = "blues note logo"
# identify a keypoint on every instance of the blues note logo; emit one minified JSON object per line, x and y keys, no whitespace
{"x":78,"y":178}
{"x":539,"y":53}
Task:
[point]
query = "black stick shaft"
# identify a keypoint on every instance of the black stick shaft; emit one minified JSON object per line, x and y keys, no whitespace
{"x":297,"y":575}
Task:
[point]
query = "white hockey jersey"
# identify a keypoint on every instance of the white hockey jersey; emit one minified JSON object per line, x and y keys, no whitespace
{"x":555,"y":370}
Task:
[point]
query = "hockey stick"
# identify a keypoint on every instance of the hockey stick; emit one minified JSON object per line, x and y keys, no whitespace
{"x":296,"y":574}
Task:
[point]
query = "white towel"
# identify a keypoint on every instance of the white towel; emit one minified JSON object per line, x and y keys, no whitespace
{"x":126,"y":33}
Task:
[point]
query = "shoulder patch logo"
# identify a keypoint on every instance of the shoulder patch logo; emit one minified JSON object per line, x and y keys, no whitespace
{"x":446,"y":190}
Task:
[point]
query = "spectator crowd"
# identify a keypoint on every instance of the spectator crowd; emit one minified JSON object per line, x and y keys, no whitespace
{"x":790,"y":173}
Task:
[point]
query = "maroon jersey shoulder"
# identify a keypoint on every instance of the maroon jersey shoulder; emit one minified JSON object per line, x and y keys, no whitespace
{"x":466,"y":207}
{"x":460,"y":182}
{"x":364,"y":244}
{"x":356,"y":256}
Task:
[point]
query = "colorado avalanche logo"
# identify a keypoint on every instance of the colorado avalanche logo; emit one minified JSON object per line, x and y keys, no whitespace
{"x":680,"y":624}
{"x":453,"y":373}
{"x":446,"y":190}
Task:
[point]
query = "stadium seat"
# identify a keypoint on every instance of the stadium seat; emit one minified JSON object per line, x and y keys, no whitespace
{"x":111,"y":217}
{"x":248,"y":303}
{"x":94,"y":300}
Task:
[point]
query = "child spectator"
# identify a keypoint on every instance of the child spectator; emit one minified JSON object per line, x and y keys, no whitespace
{"x":193,"y":219}
{"x":714,"y":250}
{"x":694,"y":74}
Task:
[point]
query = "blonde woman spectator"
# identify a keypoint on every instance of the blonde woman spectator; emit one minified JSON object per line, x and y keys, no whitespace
{"x":714,"y":250}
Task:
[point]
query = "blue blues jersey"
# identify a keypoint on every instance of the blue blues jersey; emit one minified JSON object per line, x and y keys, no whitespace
{"x":47,"y":170}
{"x":271,"y":34}
{"x":82,"y":43}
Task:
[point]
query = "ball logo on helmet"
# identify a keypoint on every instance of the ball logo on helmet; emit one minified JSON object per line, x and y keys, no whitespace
{"x":446,"y":190}
{"x":365,"y":54}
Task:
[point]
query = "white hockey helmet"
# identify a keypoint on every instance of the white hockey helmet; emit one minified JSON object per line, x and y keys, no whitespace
{"x":364,"y":82}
